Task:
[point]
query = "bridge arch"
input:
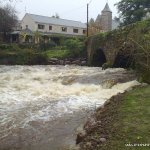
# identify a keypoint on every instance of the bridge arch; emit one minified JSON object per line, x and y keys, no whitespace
{"x":123,"y":61}
{"x":98,"y":58}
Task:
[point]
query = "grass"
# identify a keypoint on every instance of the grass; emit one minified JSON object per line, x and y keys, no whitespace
{"x":62,"y":54}
{"x":57,"y":53}
{"x":126,"y":121}
{"x":133,"y":121}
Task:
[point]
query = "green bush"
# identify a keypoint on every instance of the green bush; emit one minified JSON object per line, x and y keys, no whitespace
{"x":26,"y":45}
{"x":76,"y":47}
{"x":41,"y":46}
{"x":38,"y":59}
{"x":23,"y":57}
{"x":46,"y":46}
{"x":30,"y":53}
{"x":74,"y":44}
{"x":5,"y":46}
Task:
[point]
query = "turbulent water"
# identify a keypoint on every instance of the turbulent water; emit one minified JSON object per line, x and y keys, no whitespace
{"x":40,"y":105}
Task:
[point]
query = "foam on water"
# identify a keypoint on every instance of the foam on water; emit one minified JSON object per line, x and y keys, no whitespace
{"x":47,"y":92}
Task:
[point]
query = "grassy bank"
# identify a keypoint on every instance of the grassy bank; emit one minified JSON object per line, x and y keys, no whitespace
{"x":57,"y":54}
{"x":22,"y":57}
{"x":125,"y":120}
{"x":38,"y":54}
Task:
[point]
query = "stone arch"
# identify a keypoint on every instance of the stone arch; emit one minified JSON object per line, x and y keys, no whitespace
{"x":98,"y":58}
{"x":123,"y":61}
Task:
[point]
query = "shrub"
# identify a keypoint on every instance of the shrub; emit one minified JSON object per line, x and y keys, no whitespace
{"x":5,"y":46}
{"x":26,"y":45}
{"x":73,"y":44}
{"x":76,"y":47}
{"x":46,"y":46}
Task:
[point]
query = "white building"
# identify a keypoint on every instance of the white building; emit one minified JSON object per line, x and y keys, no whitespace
{"x":49,"y":25}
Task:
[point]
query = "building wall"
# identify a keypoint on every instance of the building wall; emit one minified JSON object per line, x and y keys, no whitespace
{"x":27,"y":21}
{"x":58,"y":29}
{"x":33,"y":26}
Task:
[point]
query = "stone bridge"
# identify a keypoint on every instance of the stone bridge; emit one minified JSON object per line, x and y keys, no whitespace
{"x":106,"y":50}
{"x":117,"y":47}
{"x":126,"y":47}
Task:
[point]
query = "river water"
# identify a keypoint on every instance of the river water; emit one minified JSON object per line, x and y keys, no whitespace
{"x":42,"y":106}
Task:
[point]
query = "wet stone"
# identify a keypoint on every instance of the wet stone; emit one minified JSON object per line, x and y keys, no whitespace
{"x":102,"y":140}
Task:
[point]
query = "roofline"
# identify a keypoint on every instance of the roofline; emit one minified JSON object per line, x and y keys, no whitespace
{"x":54,"y":18}
{"x":107,"y":10}
{"x":23,"y":17}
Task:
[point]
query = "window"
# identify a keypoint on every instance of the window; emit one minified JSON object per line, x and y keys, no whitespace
{"x":26,"y":26}
{"x":84,"y":31}
{"x":75,"y":30}
{"x":41,"y":26}
{"x":50,"y":27}
{"x":64,"y":29}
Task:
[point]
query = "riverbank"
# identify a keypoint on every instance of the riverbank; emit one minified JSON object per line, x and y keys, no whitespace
{"x":68,"y":51}
{"x":124,"y":120}
{"x":49,"y":57}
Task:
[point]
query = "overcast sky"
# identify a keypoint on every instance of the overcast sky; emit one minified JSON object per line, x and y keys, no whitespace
{"x":67,"y":9}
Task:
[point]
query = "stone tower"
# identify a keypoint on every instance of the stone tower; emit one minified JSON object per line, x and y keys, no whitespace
{"x":105,"y":19}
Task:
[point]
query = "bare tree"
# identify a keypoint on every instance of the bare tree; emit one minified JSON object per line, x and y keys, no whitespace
{"x":8,"y":0}
{"x":8,"y":20}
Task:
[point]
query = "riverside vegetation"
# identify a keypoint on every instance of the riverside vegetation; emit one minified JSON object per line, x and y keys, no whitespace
{"x":42,"y":53}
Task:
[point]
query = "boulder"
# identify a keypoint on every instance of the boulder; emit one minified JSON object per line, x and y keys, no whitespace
{"x":77,"y":62}
{"x":103,"y":140}
{"x":109,"y":84}
{"x":53,"y":59}
{"x":83,"y":63}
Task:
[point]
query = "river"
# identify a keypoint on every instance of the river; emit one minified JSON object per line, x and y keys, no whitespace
{"x":42,"y":106}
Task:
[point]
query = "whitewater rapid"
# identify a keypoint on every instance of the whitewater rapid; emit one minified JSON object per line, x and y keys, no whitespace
{"x":47,"y":93}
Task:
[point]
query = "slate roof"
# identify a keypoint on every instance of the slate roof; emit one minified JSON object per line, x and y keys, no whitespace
{"x":106,"y":8}
{"x":56,"y":21}
{"x":98,"y":18}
